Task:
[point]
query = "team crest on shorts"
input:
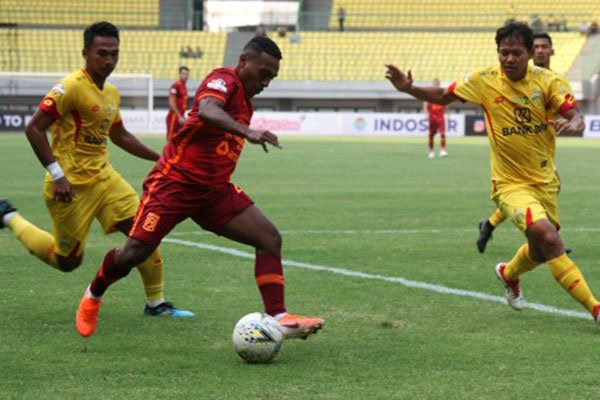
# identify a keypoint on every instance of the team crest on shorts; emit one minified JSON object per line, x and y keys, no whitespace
{"x":151,"y":222}
{"x":519,"y":215}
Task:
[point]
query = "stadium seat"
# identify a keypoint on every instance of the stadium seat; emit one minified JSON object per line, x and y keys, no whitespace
{"x":156,"y":52}
{"x":139,"y":13}
{"x":457,"y":14}
{"x":361,"y":55}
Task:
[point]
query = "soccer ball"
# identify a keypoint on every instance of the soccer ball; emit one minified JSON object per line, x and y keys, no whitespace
{"x":257,"y":338}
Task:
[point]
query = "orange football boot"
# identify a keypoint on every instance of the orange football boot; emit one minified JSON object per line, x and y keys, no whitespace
{"x":299,"y":326}
{"x":87,"y":315}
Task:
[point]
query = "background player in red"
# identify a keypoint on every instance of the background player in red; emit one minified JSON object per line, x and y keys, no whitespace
{"x":192,"y":180}
{"x":178,"y":99}
{"x":437,"y":123}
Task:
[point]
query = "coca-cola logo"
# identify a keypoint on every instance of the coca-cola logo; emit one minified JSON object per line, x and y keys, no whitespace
{"x":276,"y":124}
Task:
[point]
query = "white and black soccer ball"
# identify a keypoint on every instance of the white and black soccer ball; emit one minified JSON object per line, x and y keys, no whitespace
{"x":257,"y":338}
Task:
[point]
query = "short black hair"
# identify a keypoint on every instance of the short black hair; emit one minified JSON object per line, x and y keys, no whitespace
{"x":516,"y":30}
{"x":542,"y":35}
{"x":183,"y":68}
{"x":104,"y":29}
{"x":261,"y":43}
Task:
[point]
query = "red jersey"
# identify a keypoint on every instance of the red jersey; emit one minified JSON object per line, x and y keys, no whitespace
{"x":179,"y":90}
{"x":436,"y":112}
{"x":203,"y":154}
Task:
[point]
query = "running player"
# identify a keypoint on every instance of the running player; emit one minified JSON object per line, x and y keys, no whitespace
{"x":437,"y":123}
{"x":192,"y":180}
{"x":178,"y":99}
{"x":83,"y":112}
{"x":515,"y":98}
{"x":542,"y":52}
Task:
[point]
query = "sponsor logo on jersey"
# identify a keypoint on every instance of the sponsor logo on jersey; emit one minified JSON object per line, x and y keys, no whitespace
{"x":536,"y":98}
{"x":499,"y":99}
{"x":59,"y":89}
{"x":96,"y":108}
{"x":217,"y":84}
{"x":151,"y":222}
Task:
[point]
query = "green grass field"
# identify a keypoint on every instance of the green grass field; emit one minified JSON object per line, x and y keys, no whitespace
{"x":373,"y":206}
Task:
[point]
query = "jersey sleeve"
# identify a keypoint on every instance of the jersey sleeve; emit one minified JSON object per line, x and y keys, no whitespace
{"x":468,"y":89}
{"x":218,"y":84}
{"x":173,"y":90}
{"x":118,"y":121}
{"x":561,"y":97}
{"x":59,"y":100}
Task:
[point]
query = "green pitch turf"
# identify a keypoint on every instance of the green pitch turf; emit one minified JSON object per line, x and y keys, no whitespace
{"x":375,"y":206}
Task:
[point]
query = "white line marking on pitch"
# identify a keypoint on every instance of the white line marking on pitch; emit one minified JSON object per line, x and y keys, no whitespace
{"x":379,"y":231}
{"x":402,"y":281}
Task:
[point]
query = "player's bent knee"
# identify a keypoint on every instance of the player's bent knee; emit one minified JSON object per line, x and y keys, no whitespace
{"x":68,"y":264}
{"x":134,"y":253}
{"x":272,"y":242}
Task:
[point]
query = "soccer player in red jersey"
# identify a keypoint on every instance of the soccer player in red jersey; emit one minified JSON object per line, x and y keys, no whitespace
{"x":437,"y":123}
{"x":192,"y":180}
{"x":178,"y":98}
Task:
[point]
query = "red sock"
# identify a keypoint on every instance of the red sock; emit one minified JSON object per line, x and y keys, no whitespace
{"x":443,"y":141}
{"x":108,"y":274}
{"x":269,"y":278}
{"x":430,"y":141}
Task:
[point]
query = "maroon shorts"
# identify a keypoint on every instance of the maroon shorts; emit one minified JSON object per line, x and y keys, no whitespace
{"x":436,"y":126}
{"x":165,"y":203}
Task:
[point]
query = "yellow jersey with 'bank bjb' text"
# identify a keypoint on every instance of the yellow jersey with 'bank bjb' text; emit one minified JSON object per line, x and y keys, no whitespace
{"x":521,"y":140}
{"x":84,"y":115}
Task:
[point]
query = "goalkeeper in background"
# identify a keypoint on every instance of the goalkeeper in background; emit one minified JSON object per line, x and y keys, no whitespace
{"x":82,"y":111}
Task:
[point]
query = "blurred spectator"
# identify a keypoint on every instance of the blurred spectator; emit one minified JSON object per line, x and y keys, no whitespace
{"x":583,"y":28}
{"x":261,"y":30}
{"x":552,"y":23}
{"x":536,"y":24}
{"x":562,"y":24}
{"x":188,"y":52}
{"x":593,"y":30}
{"x":511,"y":14}
{"x":341,"y":12}
{"x":281,"y":31}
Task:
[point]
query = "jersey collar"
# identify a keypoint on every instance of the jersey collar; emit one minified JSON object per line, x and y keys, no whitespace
{"x":525,"y":79}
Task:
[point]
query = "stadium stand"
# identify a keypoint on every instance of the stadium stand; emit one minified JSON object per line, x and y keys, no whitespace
{"x":139,"y":13}
{"x":457,"y":14}
{"x":142,"y":51}
{"x":360,"y":56}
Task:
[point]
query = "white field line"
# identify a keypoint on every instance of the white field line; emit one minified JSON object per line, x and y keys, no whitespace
{"x":401,"y":281}
{"x":381,"y":231}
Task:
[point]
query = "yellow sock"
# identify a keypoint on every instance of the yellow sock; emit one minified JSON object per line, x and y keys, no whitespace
{"x":520,"y":263}
{"x":38,"y":242}
{"x":497,"y":217}
{"x":151,"y":271}
{"x":570,"y":278}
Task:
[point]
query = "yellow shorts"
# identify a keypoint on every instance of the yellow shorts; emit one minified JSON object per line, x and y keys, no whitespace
{"x":110,"y":199}
{"x":526,"y":204}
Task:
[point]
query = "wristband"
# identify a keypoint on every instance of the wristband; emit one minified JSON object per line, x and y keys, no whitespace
{"x":55,"y":171}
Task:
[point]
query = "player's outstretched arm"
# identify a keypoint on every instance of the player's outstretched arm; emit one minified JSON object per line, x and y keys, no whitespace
{"x":570,"y":123}
{"x":128,"y":142}
{"x":404,"y":83}
{"x":36,"y":134}
{"x":210,"y":110}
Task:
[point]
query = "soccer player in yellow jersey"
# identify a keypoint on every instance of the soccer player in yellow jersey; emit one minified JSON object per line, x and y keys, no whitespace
{"x":542,"y":52}
{"x":82,"y":111}
{"x":516,"y":100}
